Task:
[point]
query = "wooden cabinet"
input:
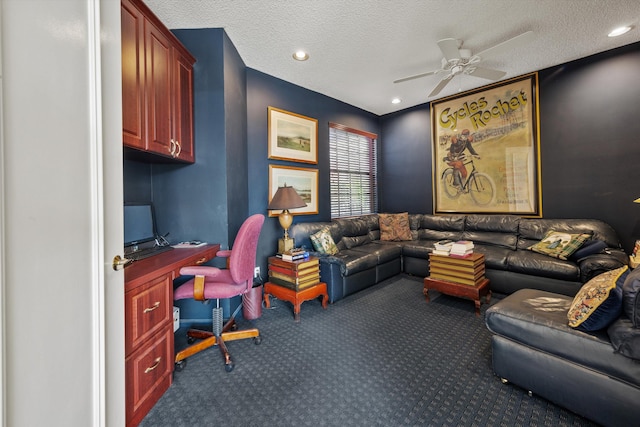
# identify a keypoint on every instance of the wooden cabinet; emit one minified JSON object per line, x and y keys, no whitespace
{"x":149,"y":348}
{"x":148,"y":345}
{"x":157,"y":86}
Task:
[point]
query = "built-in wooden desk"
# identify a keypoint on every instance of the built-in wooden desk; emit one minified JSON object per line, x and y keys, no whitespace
{"x":149,"y":348}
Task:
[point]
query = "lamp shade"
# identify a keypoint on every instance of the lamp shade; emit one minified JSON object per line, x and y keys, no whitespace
{"x":286,"y":198}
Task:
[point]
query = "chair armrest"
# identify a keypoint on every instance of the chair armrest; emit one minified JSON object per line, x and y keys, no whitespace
{"x":225,"y":253}
{"x":593,"y":265}
{"x":200,"y":270}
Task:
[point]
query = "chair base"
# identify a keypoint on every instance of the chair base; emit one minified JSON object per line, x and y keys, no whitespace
{"x":209,"y":340}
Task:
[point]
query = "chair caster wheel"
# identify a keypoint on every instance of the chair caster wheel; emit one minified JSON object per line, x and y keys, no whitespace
{"x":504,"y":381}
{"x":229,"y":367}
{"x":257,"y":340}
{"x":530,"y":393}
{"x":181,"y":365}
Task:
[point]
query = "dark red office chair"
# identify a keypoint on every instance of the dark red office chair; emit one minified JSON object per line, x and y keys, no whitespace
{"x":212,"y":283}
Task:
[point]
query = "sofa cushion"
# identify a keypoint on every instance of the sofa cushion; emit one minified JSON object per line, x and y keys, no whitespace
{"x":590,"y":247}
{"x":599,"y":301}
{"x":499,"y":230}
{"x":631,"y":297}
{"x":535,"y":264}
{"x":538,"y":320}
{"x":625,"y":339}
{"x":394,"y":227}
{"x":559,"y":244}
{"x":355,"y":241}
{"x":323,"y":242}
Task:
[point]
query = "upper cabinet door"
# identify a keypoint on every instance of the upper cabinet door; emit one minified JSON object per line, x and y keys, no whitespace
{"x":157,"y":88}
{"x":158,"y":79}
{"x":183,"y":106}
{"x":133,"y":120}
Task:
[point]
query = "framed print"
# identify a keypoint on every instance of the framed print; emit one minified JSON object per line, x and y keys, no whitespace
{"x":303,"y":180}
{"x":292,"y":137}
{"x":486,"y":150}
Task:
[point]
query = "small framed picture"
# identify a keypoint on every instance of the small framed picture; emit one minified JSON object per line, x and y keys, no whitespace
{"x":292,"y":137}
{"x":303,"y":180}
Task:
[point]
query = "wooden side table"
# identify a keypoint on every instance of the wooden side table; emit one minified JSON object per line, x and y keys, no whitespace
{"x":296,"y":297}
{"x":459,"y":290}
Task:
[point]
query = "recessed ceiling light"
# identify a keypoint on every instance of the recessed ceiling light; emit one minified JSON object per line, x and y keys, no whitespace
{"x":620,"y":31}
{"x":301,"y":55}
{"x":396,"y":101}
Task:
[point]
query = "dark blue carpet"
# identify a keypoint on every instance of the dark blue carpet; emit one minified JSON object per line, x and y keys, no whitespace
{"x":382,"y":357}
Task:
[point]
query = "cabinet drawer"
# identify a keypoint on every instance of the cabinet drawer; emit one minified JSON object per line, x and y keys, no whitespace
{"x":148,"y":309}
{"x":148,"y":374}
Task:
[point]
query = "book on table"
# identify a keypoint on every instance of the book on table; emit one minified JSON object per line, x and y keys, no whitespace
{"x":462,"y":248}
{"x":295,"y":286}
{"x":295,"y":265}
{"x":469,"y":270}
{"x":295,"y":280}
{"x":315,"y":268}
{"x":473,"y":259}
{"x":443,"y":245}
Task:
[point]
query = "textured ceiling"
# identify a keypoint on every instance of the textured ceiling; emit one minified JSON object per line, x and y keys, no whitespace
{"x":359,"y":47}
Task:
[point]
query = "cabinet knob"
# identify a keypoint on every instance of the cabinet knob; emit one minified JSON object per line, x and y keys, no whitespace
{"x":179,"y":149}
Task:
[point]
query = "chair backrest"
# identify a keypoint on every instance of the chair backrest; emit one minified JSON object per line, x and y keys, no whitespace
{"x":243,"y":254}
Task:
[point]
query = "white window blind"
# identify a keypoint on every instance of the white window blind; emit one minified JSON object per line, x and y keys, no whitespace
{"x":353,"y":171}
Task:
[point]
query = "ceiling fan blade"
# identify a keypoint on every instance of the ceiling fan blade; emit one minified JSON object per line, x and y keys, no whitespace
{"x":417,"y":76}
{"x":445,"y":81}
{"x":485,"y":73}
{"x":510,"y":44}
{"x":449,"y":48}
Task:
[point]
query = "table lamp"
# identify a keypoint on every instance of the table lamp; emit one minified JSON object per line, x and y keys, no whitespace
{"x":286,"y":198}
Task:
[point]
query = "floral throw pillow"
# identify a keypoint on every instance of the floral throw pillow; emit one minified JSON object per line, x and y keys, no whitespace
{"x":599,"y":301}
{"x":323,"y":242}
{"x":394,"y":227}
{"x":559,"y":244}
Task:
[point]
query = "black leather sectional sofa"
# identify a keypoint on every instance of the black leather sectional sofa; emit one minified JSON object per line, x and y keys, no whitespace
{"x":364,"y":260}
{"x":534,"y":348}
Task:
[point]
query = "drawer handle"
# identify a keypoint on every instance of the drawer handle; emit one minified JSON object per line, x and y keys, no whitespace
{"x":149,"y":309}
{"x":154,"y":366}
{"x":201,"y":261}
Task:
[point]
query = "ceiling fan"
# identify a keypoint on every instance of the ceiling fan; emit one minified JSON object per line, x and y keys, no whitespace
{"x":461,"y":61}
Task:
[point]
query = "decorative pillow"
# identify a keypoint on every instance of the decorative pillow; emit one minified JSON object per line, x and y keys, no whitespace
{"x":631,"y":297}
{"x":625,"y":339}
{"x":394,"y":227}
{"x":589,"y":247}
{"x":558,"y":244}
{"x":599,"y":301}
{"x":323,"y":242}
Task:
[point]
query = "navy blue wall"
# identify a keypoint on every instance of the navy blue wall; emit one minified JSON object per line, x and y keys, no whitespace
{"x":264,"y":91}
{"x":589,"y":140}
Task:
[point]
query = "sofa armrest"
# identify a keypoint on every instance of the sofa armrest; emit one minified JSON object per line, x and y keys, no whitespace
{"x":593,"y":265}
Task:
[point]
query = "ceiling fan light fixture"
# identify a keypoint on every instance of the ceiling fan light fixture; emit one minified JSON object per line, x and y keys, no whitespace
{"x":620,"y":31}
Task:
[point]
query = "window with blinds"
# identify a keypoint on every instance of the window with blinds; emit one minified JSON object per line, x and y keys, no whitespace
{"x":353,"y":171}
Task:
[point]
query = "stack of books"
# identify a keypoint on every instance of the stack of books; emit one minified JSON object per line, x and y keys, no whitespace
{"x":443,"y":247}
{"x":469,"y":270}
{"x":461,"y":248}
{"x":296,"y":275}
{"x":294,"y":254}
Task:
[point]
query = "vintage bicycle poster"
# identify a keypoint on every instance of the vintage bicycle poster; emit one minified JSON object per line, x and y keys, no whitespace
{"x":486,"y":150}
